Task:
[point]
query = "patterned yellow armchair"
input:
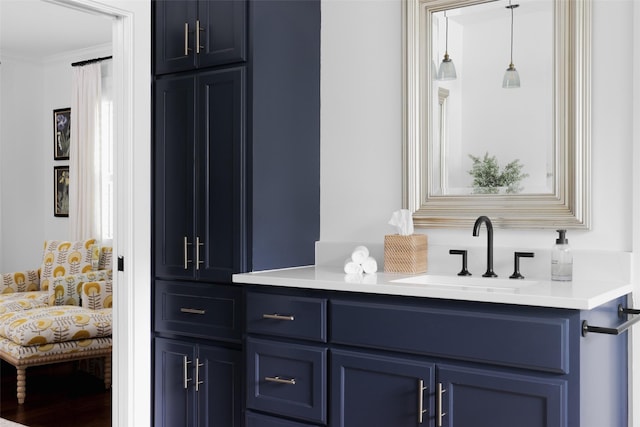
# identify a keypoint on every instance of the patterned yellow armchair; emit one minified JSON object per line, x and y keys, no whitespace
{"x":58,"y":281}
{"x":60,"y":312}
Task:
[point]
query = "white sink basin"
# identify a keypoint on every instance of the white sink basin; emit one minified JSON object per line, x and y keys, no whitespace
{"x":494,"y":283}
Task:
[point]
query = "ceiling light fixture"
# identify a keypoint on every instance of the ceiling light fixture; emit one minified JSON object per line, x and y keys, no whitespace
{"x":511,"y":77}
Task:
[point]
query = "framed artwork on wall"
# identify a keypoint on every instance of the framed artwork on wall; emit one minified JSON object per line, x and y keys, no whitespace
{"x":61,"y":133}
{"x":61,"y":191}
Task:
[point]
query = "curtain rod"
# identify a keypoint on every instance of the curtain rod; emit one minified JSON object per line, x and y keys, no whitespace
{"x":89,"y":61}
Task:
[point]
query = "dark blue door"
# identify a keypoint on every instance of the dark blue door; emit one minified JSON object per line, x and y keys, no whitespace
{"x":219,"y":240}
{"x":222,"y":25}
{"x":174,"y":27}
{"x":174,"y":139}
{"x":377,"y":390}
{"x":218,"y":374}
{"x":473,"y":397}
{"x":174,"y":403}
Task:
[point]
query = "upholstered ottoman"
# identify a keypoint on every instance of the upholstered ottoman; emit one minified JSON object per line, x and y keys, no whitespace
{"x":46,"y":335}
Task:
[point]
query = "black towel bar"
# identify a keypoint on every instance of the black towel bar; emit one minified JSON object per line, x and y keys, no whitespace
{"x":622,"y":312}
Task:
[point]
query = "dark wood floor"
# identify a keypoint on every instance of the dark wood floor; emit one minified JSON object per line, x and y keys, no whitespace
{"x":57,"y":395}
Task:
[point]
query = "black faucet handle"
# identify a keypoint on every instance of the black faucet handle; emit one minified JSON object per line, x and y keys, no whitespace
{"x":464,"y":271}
{"x":516,"y":263}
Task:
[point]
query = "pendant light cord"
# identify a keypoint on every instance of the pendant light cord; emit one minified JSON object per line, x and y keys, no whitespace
{"x":446,"y":36}
{"x":511,"y":7}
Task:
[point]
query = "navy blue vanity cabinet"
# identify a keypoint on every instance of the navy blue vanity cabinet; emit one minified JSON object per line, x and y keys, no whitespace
{"x":199,"y":146}
{"x":190,"y":34}
{"x":198,"y":384}
{"x":344,"y":359}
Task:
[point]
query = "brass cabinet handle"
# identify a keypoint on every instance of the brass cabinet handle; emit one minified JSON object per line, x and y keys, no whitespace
{"x":198,"y":30}
{"x":198,"y":244}
{"x":192,"y":310}
{"x":421,"y":410}
{"x":276,"y":316}
{"x":186,"y":39}
{"x":185,"y":250}
{"x":185,"y":367}
{"x":288,"y":381}
{"x":198,"y":366}
{"x":440,"y":414}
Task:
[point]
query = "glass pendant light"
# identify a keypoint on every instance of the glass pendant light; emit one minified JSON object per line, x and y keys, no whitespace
{"x":511,"y":77}
{"x":447,"y":70}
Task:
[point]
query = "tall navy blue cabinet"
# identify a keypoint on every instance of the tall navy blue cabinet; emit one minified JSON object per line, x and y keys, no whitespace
{"x":236,"y":184}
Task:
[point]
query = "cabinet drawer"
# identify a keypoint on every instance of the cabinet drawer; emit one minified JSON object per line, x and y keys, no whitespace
{"x":539,"y":342}
{"x":259,"y":420}
{"x":287,"y":379}
{"x":287,"y":316}
{"x":198,"y":310}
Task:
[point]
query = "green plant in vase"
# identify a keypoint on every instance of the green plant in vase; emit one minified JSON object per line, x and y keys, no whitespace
{"x":489,"y":179}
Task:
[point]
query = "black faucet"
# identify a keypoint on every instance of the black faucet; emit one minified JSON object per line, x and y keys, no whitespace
{"x":476,"y":230}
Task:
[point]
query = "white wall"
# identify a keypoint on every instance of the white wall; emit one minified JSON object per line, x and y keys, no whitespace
{"x":361,"y":129}
{"x":21,"y":163}
{"x":31,"y":90}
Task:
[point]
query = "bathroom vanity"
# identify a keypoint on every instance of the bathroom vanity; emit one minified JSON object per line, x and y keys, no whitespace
{"x":323,"y":348}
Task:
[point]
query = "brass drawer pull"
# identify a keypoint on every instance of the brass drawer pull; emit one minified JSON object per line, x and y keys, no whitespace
{"x":192,"y":310}
{"x":288,"y":381}
{"x":276,"y":316}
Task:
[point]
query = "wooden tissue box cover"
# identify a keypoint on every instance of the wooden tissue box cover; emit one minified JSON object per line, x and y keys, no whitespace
{"x":405,"y":254}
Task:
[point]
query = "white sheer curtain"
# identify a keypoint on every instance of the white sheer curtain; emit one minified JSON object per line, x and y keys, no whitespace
{"x":90,"y":174}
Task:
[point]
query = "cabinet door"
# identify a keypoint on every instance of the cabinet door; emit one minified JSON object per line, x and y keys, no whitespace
{"x":222,"y":32}
{"x":375,"y":390}
{"x":219,"y":165}
{"x":473,"y":397}
{"x":218,"y":390}
{"x":174,"y":32}
{"x":174,"y":118}
{"x":174,"y":402}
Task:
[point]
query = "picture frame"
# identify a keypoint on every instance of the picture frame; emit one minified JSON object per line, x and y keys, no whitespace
{"x":61,"y":191}
{"x":61,"y":133}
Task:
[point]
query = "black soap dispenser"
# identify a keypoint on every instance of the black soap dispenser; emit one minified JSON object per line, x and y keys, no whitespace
{"x":561,"y":258}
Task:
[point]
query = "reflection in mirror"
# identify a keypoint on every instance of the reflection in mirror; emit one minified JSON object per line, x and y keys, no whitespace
{"x":480,"y":117}
{"x":471,"y":147}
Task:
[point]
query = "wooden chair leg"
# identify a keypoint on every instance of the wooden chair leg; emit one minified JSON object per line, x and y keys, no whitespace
{"x":22,"y":385}
{"x":107,"y":372}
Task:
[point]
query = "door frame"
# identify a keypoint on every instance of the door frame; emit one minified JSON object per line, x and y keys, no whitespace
{"x":131,"y":41}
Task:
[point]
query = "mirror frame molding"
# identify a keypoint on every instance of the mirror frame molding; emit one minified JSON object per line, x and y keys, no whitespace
{"x":570,"y":204}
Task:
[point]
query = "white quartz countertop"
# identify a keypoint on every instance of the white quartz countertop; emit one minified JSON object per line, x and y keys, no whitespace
{"x":581,"y":294}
